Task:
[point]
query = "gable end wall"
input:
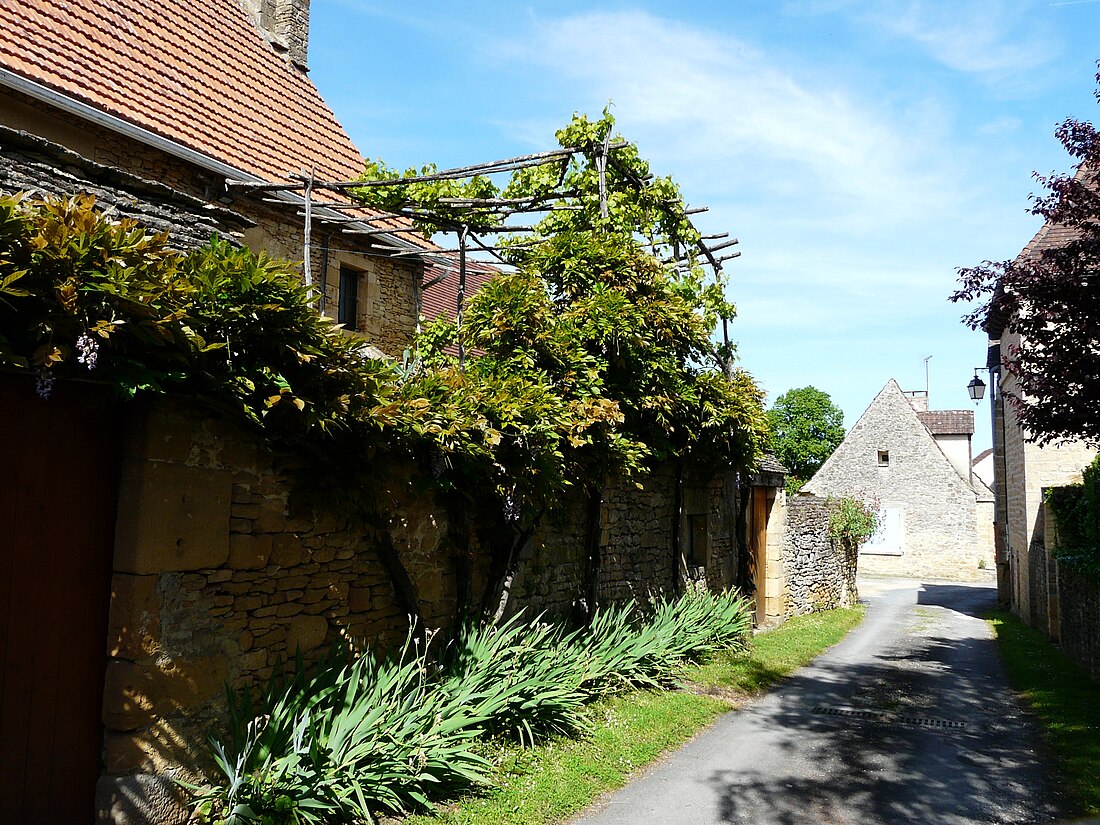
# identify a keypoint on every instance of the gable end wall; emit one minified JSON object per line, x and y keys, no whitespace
{"x":940,"y":525}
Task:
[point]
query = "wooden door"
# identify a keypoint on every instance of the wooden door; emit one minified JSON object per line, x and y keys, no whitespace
{"x":59,"y":462}
{"x":760,"y":550}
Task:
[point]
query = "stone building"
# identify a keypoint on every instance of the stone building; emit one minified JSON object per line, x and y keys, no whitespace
{"x":147,"y":90}
{"x":177,"y":114}
{"x":936,"y":516}
{"x":1022,"y":470}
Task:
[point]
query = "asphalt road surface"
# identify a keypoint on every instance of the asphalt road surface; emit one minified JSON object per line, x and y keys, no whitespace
{"x":908,"y":720}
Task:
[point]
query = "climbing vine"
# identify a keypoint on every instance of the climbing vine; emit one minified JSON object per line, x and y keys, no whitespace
{"x":1076,"y":510}
{"x":592,"y":354}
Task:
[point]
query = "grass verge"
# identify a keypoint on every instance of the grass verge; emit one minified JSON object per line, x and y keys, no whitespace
{"x":1064,"y":698}
{"x":551,"y":781}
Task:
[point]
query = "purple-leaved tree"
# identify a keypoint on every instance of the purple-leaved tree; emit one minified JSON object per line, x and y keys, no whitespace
{"x":1050,"y":296}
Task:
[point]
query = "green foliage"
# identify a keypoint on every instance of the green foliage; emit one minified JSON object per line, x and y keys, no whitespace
{"x":852,"y":519}
{"x":84,"y":294}
{"x":431,"y":214}
{"x":360,"y":736}
{"x":550,"y":782}
{"x":355,"y":737}
{"x":1064,"y":699}
{"x":1077,"y":513}
{"x":806,"y":428}
{"x":593,"y":357}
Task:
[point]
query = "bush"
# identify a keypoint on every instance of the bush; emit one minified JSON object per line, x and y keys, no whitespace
{"x":360,"y":735}
{"x":852,"y":519}
{"x":1077,"y":512}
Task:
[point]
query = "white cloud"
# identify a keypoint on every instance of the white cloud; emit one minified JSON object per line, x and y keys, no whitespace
{"x":728,"y":119}
{"x":1001,"y":40}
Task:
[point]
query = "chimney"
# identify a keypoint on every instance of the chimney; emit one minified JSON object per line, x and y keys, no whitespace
{"x":285,"y":25}
{"x":918,"y":399}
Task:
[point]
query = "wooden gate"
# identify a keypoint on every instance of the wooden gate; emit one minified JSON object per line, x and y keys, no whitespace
{"x":59,"y":464}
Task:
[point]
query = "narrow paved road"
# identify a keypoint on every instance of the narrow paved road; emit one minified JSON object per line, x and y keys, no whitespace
{"x":909,"y":720}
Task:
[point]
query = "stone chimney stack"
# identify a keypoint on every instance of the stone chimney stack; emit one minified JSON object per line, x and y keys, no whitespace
{"x":285,"y":25}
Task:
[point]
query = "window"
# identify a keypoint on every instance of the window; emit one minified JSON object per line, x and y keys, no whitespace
{"x":347,"y":310}
{"x":884,"y":458}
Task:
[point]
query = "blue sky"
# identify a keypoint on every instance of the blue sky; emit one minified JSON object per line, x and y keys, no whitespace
{"x":861,"y":151}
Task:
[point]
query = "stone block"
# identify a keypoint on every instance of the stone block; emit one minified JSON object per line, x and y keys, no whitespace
{"x":254,"y":660}
{"x":249,"y":511}
{"x":171,"y":517}
{"x":163,"y":433}
{"x":306,"y":633}
{"x":140,"y":799}
{"x":135,"y":694}
{"x":134,"y":625}
{"x":249,"y":552}
{"x":286,"y":550}
{"x":272,"y":518}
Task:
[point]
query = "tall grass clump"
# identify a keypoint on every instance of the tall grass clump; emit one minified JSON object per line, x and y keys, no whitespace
{"x":626,"y":648}
{"x":359,"y":735}
{"x":355,"y":736}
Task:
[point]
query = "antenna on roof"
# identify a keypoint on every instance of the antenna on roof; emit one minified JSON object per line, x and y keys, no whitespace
{"x":926,"y":360}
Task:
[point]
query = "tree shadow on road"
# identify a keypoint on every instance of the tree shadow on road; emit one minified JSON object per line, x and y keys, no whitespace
{"x":924,"y":732}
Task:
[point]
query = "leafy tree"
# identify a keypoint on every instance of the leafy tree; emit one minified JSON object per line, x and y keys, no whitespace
{"x":1050,"y":297}
{"x":806,"y":427}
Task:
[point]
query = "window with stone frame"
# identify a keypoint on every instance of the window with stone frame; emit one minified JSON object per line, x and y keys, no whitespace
{"x":884,"y":458}
{"x":347,"y":306}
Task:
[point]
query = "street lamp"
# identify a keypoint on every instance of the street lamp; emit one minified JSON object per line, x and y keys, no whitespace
{"x":976,"y":387}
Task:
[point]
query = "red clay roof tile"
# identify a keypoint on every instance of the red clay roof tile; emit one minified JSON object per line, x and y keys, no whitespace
{"x":197,"y":73}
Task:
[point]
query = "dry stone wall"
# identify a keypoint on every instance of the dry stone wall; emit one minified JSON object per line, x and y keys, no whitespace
{"x":1064,"y":600}
{"x":222,"y":574}
{"x":225,"y":569}
{"x":820,"y":573}
{"x":1079,"y":609}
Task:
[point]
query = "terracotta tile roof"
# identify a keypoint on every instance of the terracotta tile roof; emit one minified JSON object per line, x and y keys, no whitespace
{"x":948,"y":422}
{"x":442,"y":298}
{"x":982,"y":456}
{"x":1049,"y":236}
{"x":197,"y":73}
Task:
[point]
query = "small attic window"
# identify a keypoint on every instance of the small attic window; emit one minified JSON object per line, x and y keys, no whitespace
{"x":884,"y":458}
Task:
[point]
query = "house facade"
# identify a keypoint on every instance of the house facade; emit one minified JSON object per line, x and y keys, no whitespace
{"x":936,"y":518}
{"x":1022,"y":470}
{"x":148,"y":91}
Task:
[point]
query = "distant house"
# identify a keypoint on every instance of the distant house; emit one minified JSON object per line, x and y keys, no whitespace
{"x":982,"y":467}
{"x":936,"y":516}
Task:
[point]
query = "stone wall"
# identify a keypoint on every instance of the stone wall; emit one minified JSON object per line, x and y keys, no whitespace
{"x":638,"y":559}
{"x":1079,"y":609}
{"x":226,"y":566}
{"x":1027,"y":469}
{"x":820,"y":573}
{"x":1064,"y":601}
{"x":221,"y":573}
